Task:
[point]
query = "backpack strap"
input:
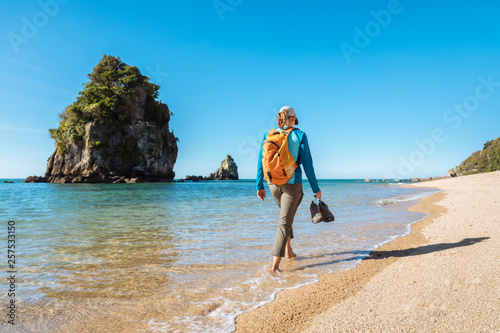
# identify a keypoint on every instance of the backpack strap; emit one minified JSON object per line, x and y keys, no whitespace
{"x":298,"y":157}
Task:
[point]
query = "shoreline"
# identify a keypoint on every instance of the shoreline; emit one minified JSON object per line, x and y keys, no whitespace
{"x":293,"y":310}
{"x":443,"y":276}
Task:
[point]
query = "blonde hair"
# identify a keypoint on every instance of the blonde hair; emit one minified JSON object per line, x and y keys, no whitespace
{"x":282,"y":119}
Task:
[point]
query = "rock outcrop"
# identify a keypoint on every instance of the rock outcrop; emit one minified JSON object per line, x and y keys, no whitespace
{"x":194,"y":178}
{"x":228,"y":170}
{"x":126,"y":143}
{"x":140,"y":151}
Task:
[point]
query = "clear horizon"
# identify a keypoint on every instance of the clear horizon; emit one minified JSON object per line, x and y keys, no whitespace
{"x":383,"y":89}
{"x":253,"y":179}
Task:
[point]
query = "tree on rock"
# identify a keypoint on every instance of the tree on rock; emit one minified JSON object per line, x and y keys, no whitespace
{"x":115,"y":130}
{"x":112,"y":84}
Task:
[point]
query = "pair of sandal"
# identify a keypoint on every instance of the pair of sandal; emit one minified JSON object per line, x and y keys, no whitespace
{"x":320,"y":212}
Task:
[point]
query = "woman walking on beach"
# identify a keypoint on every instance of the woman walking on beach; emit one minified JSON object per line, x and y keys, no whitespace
{"x":288,"y":195}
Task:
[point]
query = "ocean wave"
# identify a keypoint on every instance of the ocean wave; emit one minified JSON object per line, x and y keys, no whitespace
{"x":218,"y":314}
{"x":403,"y":198}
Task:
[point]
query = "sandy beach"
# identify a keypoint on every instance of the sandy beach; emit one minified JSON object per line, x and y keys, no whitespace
{"x":443,"y":277}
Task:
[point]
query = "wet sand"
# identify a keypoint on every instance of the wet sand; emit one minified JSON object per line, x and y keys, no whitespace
{"x":443,"y":277}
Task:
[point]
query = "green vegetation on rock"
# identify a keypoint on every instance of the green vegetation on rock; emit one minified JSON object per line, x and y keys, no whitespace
{"x":116,"y":131}
{"x":486,"y":160}
{"x":111,"y":83}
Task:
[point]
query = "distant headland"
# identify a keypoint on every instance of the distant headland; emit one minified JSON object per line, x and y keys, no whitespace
{"x":486,"y":160}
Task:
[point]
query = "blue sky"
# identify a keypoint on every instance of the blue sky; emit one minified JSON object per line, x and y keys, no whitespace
{"x":383,"y":89}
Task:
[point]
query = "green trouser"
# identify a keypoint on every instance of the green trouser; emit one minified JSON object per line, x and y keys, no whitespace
{"x":288,"y":198}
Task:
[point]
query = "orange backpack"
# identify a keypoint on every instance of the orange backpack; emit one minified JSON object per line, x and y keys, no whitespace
{"x":277,"y":162}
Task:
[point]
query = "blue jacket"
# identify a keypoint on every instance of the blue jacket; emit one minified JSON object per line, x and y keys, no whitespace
{"x":298,"y":147}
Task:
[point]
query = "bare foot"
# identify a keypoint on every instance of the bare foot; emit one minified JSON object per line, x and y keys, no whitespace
{"x":290,"y":254}
{"x":274,"y":272}
{"x":276,"y":265}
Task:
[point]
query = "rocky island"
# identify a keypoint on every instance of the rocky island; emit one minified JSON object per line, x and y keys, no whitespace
{"x":116,"y":131}
{"x":228,"y":170}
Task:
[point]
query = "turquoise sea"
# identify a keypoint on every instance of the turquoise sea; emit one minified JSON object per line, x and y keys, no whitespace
{"x":178,"y":257}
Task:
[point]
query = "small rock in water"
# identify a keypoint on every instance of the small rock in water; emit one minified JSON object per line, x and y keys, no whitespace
{"x":227,"y":170}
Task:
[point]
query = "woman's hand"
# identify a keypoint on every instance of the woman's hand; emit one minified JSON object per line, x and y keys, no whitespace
{"x":261,"y":194}
{"x":318,"y":195}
